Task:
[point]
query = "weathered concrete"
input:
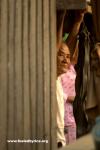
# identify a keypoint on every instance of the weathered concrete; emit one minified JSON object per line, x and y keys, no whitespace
{"x":84,"y":143}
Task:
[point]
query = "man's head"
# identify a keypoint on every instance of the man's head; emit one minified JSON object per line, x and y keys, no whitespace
{"x":63,"y":59}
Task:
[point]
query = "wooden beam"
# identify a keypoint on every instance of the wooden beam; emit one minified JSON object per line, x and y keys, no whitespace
{"x":71,"y":4}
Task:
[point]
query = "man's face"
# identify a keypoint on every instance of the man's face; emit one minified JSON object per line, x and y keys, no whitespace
{"x":63,"y":59}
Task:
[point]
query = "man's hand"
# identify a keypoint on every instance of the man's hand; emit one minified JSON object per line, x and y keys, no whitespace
{"x":70,"y":98}
{"x":79,"y":15}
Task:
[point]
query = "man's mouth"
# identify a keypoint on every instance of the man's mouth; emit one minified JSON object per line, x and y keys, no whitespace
{"x":65,"y":65}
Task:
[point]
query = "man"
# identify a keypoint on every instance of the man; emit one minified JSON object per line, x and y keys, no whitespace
{"x":62,"y":66}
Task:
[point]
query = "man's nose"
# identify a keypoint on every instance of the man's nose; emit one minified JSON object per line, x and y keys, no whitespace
{"x":65,"y":60}
{"x":68,"y":61}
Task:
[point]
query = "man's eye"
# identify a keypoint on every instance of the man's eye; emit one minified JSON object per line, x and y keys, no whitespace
{"x":60,"y":54}
{"x":67,"y":56}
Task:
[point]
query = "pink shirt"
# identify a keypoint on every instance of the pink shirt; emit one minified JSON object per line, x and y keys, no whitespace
{"x":68,"y":84}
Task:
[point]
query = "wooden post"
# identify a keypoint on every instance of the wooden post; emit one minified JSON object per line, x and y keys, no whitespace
{"x":27,"y":74}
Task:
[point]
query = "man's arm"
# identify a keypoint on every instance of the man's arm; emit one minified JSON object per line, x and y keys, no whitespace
{"x":74,"y":58}
{"x":72,"y":38}
{"x":76,"y":26}
{"x":60,"y":30}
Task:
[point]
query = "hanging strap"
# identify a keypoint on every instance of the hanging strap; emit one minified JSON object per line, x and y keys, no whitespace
{"x":86,"y":67}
